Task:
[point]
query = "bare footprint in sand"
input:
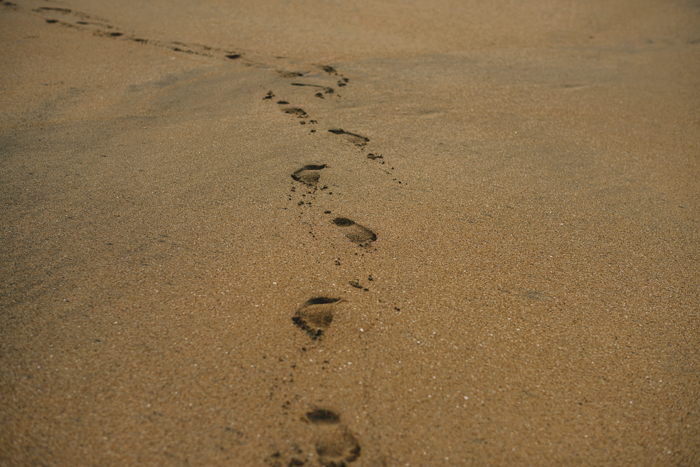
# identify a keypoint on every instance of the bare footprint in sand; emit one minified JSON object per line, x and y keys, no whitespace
{"x":355,"y":232}
{"x":289,"y":74}
{"x":301,"y":113}
{"x":308,"y":174}
{"x":316,"y":315}
{"x":335,"y":445}
{"x":354,"y":138}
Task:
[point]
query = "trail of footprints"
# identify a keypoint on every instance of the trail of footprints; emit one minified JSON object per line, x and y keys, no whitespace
{"x":334,"y":444}
{"x":101,"y":27}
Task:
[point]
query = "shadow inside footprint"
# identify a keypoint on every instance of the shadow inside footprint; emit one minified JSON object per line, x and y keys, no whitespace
{"x":335,"y":445}
{"x":355,"y":232}
{"x":322,"y":416}
{"x":315,"y":316}
{"x":308,"y":174}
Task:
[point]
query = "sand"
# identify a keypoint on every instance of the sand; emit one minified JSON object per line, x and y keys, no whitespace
{"x":349,"y":233}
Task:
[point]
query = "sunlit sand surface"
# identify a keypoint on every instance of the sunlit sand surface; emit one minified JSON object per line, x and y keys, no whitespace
{"x":358,"y":233}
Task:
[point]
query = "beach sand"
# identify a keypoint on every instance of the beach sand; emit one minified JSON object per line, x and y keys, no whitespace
{"x":349,"y":233}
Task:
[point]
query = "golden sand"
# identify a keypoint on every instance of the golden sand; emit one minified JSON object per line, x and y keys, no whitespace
{"x":354,"y":233}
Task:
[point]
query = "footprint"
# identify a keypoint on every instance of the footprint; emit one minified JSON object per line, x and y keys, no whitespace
{"x":355,"y":232}
{"x":354,"y":138}
{"x":335,"y":445}
{"x":301,"y":113}
{"x":289,"y":74}
{"x":315,"y":316}
{"x":329,"y":69}
{"x":308,"y":174}
{"x":326,"y":89}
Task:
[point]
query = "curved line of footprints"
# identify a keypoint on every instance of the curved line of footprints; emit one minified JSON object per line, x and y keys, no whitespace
{"x":335,"y":445}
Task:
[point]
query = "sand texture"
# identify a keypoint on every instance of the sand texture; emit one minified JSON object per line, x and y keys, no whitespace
{"x":359,"y":233}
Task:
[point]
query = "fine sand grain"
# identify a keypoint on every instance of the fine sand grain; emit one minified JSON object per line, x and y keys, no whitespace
{"x":350,"y":233}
